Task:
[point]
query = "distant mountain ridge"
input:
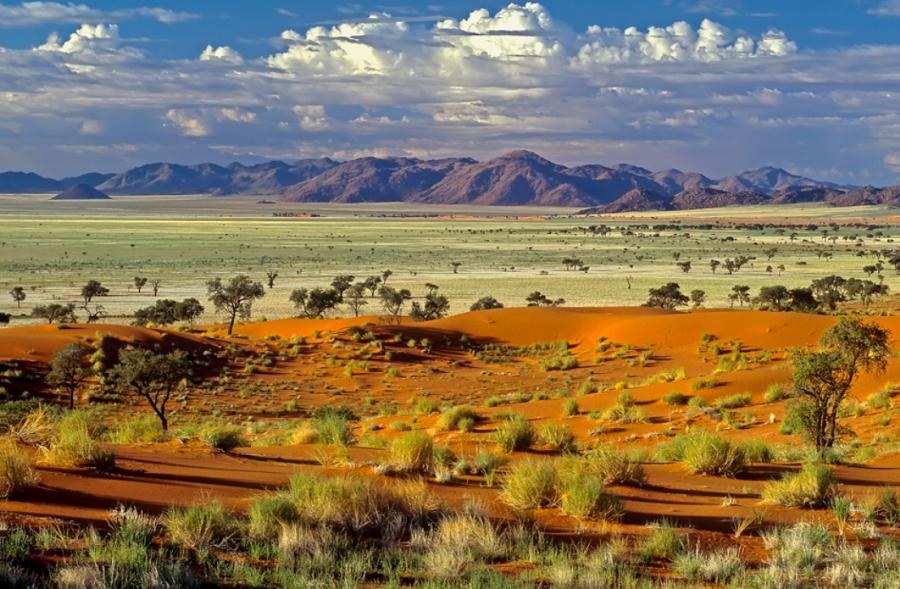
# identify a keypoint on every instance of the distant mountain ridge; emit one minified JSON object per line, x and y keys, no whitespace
{"x":516,"y":178}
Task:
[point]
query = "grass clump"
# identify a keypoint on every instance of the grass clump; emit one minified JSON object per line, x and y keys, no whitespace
{"x":706,"y":453}
{"x":676,"y":399}
{"x":515,"y":433}
{"x":16,"y":474}
{"x":413,"y":452}
{"x":664,"y":542}
{"x":531,"y":484}
{"x":268,"y":513}
{"x":813,"y":486}
{"x":615,"y":467}
{"x":333,"y":428}
{"x":733,"y":401}
{"x":702,"y":384}
{"x":757,"y":451}
{"x":558,"y":437}
{"x":570,"y":408}
{"x":223,"y":438}
{"x":76,"y":444}
{"x":143,"y":430}
{"x":460,"y":417}
{"x":460,"y":540}
{"x":582,"y":495}
{"x":720,"y":567}
{"x":775,"y":392}
{"x":200,"y":527}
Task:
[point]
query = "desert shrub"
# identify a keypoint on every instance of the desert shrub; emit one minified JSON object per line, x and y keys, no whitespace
{"x":615,"y":467}
{"x":268,"y":513}
{"x":37,"y":427}
{"x":676,"y":398}
{"x":333,"y":428}
{"x":701,"y":384}
{"x":76,"y":444}
{"x":720,"y":567}
{"x":707,"y":453}
{"x":570,"y":408}
{"x":531,"y":484}
{"x":663,"y":542}
{"x":733,"y":401}
{"x":460,"y":540}
{"x":560,"y":361}
{"x":775,"y":392}
{"x":223,"y":438}
{"x":756,"y":451}
{"x":426,"y":407}
{"x":142,"y":430}
{"x":879,"y":400}
{"x":558,"y":437}
{"x":460,"y":417}
{"x":813,"y":486}
{"x":16,"y":474}
{"x":625,"y":413}
{"x":200,"y":526}
{"x":412,"y":451}
{"x":582,"y":495}
{"x":515,"y":433}
{"x":487,"y":463}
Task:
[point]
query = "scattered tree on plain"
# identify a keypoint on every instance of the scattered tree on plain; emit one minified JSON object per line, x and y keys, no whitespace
{"x":18,"y":296}
{"x":436,"y":306}
{"x":69,"y":369}
{"x":355,"y":298}
{"x":698,"y":297}
{"x":539,"y":299}
{"x":139,"y":283}
{"x":668,"y":296}
{"x":823,"y":379}
{"x":234,"y":297}
{"x":167,"y":312}
{"x":55,"y":313}
{"x":313,"y":304}
{"x":485,"y":303}
{"x":155,"y":283}
{"x":271,"y":275}
{"x":92,"y":289}
{"x":341,"y":283}
{"x":152,"y":375}
{"x":393,"y":300}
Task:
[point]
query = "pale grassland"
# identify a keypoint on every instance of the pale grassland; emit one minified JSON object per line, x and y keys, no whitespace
{"x":53,"y":248}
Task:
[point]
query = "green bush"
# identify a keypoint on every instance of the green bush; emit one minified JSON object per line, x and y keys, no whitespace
{"x":268,"y":513}
{"x":76,"y":444}
{"x":664,"y":542}
{"x":615,"y":467}
{"x":412,"y":451}
{"x":676,"y":398}
{"x":583,"y":496}
{"x":775,"y":392}
{"x":706,"y":453}
{"x":813,"y":486}
{"x":558,"y":437}
{"x":570,"y":408}
{"x":531,"y":484}
{"x":733,"y":401}
{"x":201,"y":526}
{"x":223,"y":438}
{"x":16,"y":474}
{"x":756,"y":451}
{"x":333,"y":429}
{"x":142,"y":430}
{"x":460,"y":417}
{"x":515,"y":433}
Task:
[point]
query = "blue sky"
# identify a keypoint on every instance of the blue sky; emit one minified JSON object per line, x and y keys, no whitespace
{"x":715,"y":86}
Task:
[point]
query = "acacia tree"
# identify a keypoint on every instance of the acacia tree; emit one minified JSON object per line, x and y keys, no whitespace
{"x":435,"y":306}
{"x":271,"y":275}
{"x":539,"y":299}
{"x":167,"y":311}
{"x":92,"y":289}
{"x":139,"y":283}
{"x":393,"y":300}
{"x":371,"y":284}
{"x":355,"y":298}
{"x":152,"y":375}
{"x":667,"y":296}
{"x":69,"y":369}
{"x":485,"y":303}
{"x":823,"y":379}
{"x":739,"y":293}
{"x":155,"y":284}
{"x":235,"y":298}
{"x":313,"y":304}
{"x":698,"y":297}
{"x":341,"y":283}
{"x":18,"y":295}
{"x":776,"y":297}
{"x":55,"y":313}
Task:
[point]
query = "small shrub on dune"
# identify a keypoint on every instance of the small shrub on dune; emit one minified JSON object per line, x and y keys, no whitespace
{"x":813,"y":486}
{"x":143,"y":430}
{"x":224,"y":438}
{"x":37,"y":428}
{"x":734,"y":401}
{"x":775,"y":392}
{"x":531,"y":484}
{"x":305,"y":433}
{"x":757,"y":451}
{"x":719,"y":567}
{"x":707,"y":453}
{"x":412,"y":451}
{"x":460,"y":540}
{"x":460,"y":417}
{"x":582,"y":494}
{"x":76,"y":444}
{"x":16,"y":474}
{"x":334,"y":429}
{"x":557,"y":437}
{"x":615,"y":467}
{"x":664,"y":542}
{"x":487,"y":463}
{"x":676,"y":399}
{"x":570,"y":408}
{"x":201,"y":526}
{"x":515,"y":433}
{"x":268,"y":513}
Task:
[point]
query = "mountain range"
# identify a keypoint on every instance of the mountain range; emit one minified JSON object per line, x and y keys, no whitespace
{"x":516,"y":178}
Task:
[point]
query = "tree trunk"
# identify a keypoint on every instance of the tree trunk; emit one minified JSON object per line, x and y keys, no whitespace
{"x":231,"y":323}
{"x":71,"y":399}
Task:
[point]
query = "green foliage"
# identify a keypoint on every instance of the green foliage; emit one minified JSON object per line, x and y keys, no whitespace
{"x":515,"y":433}
{"x":813,"y":486}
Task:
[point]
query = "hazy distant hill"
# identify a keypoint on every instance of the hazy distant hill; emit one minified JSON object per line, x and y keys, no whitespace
{"x":81,"y":192}
{"x":516,"y":178}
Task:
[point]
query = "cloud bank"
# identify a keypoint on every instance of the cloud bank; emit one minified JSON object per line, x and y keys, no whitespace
{"x":697,"y":96}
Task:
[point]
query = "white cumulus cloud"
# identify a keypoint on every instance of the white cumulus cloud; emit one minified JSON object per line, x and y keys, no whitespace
{"x":222,"y":53}
{"x":188,"y":125}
